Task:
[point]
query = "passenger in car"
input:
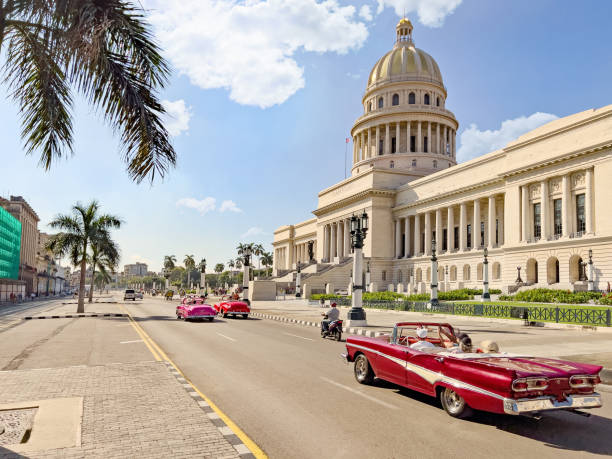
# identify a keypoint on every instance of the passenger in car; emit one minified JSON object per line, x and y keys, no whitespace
{"x":422,"y":343}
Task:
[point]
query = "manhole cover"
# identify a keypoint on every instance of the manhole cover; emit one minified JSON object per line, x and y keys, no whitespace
{"x":17,"y":425}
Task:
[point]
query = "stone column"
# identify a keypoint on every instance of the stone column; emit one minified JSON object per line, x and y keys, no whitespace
{"x":398,"y":239}
{"x":565,"y":202}
{"x":444,"y":150}
{"x":462,"y":226}
{"x":476,"y":225}
{"x":544,"y":217}
{"x":419,"y":142}
{"x":377,"y":141}
{"x":524,"y":213}
{"x":439,"y":234}
{"x":361,"y":154}
{"x":437,"y":138}
{"x":355,"y":142}
{"x":454,"y":142}
{"x":347,"y":241}
{"x":429,"y":142}
{"x":417,"y":235}
{"x":387,"y":146}
{"x":450,"y":229}
{"x":588,"y":202}
{"x":327,"y":247}
{"x":408,"y":136}
{"x":492,"y":218}
{"x":369,"y":147}
{"x":338,"y":240}
{"x":333,"y":242}
{"x":397,"y":137}
{"x":427,"y":233}
{"x":407,"y":236}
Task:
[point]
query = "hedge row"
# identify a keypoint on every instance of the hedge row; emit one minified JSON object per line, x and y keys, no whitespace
{"x":544,"y":295}
{"x":452,"y":295}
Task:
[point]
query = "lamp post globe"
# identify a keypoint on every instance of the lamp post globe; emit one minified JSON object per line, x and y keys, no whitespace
{"x":298,"y":281}
{"x":246,"y":274}
{"x":433,"y":302}
{"x":485,"y":277}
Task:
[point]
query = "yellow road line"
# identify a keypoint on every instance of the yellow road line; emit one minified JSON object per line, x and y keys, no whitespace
{"x":256,"y":450}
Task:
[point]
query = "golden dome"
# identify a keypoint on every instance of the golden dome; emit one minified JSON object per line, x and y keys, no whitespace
{"x":404,"y":21}
{"x":405,"y":63}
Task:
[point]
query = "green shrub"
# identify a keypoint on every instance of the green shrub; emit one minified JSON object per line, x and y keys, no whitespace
{"x":383,"y":296}
{"x":455,"y":295}
{"x":418,"y":297}
{"x":606,"y":300}
{"x":326,"y":296}
{"x":544,"y":295}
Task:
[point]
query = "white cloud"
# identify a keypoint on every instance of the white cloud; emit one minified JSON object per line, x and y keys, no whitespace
{"x":430,"y":12}
{"x":201,"y":205}
{"x":229,"y":205}
{"x":248,"y":47}
{"x":365,"y":12}
{"x":253,"y":231}
{"x":355,"y":76}
{"x":177,"y":116}
{"x":475,"y":142}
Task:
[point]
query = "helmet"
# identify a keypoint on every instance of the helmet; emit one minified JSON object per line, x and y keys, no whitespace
{"x":421,"y":332}
{"x":333,"y":305}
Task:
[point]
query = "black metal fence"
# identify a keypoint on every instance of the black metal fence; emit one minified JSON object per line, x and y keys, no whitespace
{"x":559,"y":314}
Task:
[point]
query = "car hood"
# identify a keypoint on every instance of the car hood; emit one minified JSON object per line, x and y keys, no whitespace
{"x":200,"y":309}
{"x":537,"y":366}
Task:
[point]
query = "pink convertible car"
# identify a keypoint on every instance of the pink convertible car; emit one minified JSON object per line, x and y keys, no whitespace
{"x":195,"y":309}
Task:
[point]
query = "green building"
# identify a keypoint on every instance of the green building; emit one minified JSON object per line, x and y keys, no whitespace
{"x":10,"y":245}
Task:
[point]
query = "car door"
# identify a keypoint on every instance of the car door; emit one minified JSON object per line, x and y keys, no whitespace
{"x":423,"y":370}
{"x":391,"y":363}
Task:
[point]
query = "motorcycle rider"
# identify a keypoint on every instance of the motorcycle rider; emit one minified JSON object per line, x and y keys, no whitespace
{"x":330,"y":315}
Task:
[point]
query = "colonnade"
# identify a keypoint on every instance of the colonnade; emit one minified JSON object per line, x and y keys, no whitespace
{"x":550,"y":194}
{"x":336,"y":240}
{"x":410,"y":137}
{"x":300,"y":252}
{"x":453,"y":228}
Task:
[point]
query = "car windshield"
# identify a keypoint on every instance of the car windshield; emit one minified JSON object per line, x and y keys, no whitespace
{"x":129,"y":291}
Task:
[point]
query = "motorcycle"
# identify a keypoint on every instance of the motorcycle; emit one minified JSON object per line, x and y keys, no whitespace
{"x":334,"y":330}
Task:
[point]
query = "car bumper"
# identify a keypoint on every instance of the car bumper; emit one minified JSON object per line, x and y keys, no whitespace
{"x":532,"y":405}
{"x":207,"y":316}
{"x":234,"y":313}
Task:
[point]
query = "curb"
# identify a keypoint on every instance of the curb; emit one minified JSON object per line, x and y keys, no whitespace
{"x":226,"y":431}
{"x":95,"y":302}
{"x":605,"y":375}
{"x":71,"y":316}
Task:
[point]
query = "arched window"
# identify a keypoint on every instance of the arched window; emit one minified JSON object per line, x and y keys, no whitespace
{"x":411,"y":98}
{"x":532,"y":271}
{"x":428,"y":275}
{"x":391,"y":165}
{"x":435,"y":164}
{"x":419,"y":275}
{"x":466,"y":272}
{"x":453,"y":273}
{"x":380,"y":102}
{"x":414,"y":163}
{"x":496,"y":271}
{"x":437,"y":101}
{"x":395,"y":100}
{"x":426,"y":99}
{"x":479,"y":271}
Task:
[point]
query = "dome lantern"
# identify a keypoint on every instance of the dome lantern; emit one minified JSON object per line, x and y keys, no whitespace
{"x":404,"y":31}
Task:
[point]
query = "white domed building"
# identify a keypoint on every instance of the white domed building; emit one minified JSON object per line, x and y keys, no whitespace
{"x":539,"y":203}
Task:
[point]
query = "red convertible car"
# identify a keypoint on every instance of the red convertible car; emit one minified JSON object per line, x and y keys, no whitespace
{"x":466,"y":381}
{"x":233,"y":308}
{"x":195,"y":309}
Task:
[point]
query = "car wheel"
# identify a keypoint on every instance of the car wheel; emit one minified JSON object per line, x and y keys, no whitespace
{"x":338,"y":334}
{"x":178,"y":316}
{"x":224,"y":314}
{"x":363,"y":370}
{"x":210,"y":319}
{"x":245,"y":316}
{"x":454,"y":404}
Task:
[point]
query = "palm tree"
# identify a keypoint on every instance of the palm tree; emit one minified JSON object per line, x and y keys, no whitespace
{"x":104,"y":50}
{"x":102,"y":279}
{"x":266,"y":259}
{"x":189,"y":266}
{"x":231,"y":264}
{"x":104,"y":254}
{"x":78,"y":231}
{"x":169,"y":261}
{"x":238,"y":263}
{"x":219,"y":268}
{"x":258,"y":250}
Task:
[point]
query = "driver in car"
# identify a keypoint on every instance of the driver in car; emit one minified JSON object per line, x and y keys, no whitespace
{"x":330,"y":316}
{"x":421,"y":344}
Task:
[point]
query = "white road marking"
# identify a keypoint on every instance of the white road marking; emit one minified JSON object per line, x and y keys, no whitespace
{"x":356,"y":392}
{"x":129,"y":342}
{"x":298,"y":336}
{"x":226,"y":337}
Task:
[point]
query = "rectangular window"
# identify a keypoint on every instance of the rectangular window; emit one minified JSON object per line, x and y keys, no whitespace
{"x":580,"y":217}
{"x":412,"y":143}
{"x":393,"y":146}
{"x":381,"y":144}
{"x":482,"y":234}
{"x":558,"y":217}
{"x":444,"y":239}
{"x":469,"y":236}
{"x":537,"y":226}
{"x":496,"y":232}
{"x":425,"y":144}
{"x":456,"y":242}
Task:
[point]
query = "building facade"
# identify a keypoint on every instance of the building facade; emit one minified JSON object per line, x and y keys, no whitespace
{"x":136,"y":269}
{"x":538,"y":204}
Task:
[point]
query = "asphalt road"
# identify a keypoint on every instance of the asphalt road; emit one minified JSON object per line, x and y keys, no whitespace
{"x":289,"y":391}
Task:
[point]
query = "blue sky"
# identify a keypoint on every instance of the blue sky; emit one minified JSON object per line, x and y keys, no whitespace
{"x":264,"y":94}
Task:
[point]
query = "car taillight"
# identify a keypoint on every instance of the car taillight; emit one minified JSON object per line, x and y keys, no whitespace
{"x":582,"y":381}
{"x":529,"y":384}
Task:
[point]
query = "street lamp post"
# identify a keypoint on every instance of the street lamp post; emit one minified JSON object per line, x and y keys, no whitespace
{"x":359,"y":228}
{"x":245,"y":274}
{"x":591,"y":285}
{"x":203,"y":274}
{"x":485,"y":277}
{"x":518,"y":277}
{"x":298,"y":281}
{"x":433,"y":302}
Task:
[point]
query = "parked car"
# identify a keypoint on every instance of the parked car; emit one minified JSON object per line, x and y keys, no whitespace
{"x":466,"y":381}
{"x":195,"y":309}
{"x":129,"y":295}
{"x":233,"y":308}
{"x":139,"y":295}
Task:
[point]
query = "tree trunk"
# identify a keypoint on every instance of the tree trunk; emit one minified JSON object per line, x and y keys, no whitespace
{"x":93,"y":276}
{"x":81,"y":305}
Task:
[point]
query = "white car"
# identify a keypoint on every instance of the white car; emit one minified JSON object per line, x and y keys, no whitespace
{"x":129,"y":295}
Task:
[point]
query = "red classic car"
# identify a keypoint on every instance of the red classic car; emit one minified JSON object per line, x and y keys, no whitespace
{"x":464,"y":381}
{"x":195,"y":309}
{"x":233,"y":308}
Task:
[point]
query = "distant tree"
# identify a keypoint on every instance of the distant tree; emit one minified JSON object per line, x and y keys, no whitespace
{"x":169,"y":261}
{"x":267,"y":260}
{"x":219,"y":268}
{"x":104,"y":255}
{"x":231,"y":264}
{"x":238,"y":263}
{"x":258,"y":251}
{"x":78,"y":231}
{"x":190,"y":265}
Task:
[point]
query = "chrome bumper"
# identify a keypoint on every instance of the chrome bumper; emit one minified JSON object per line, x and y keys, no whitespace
{"x":233,"y":313}
{"x":344,"y":358}
{"x":531,"y":405}
{"x":202,"y":317}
